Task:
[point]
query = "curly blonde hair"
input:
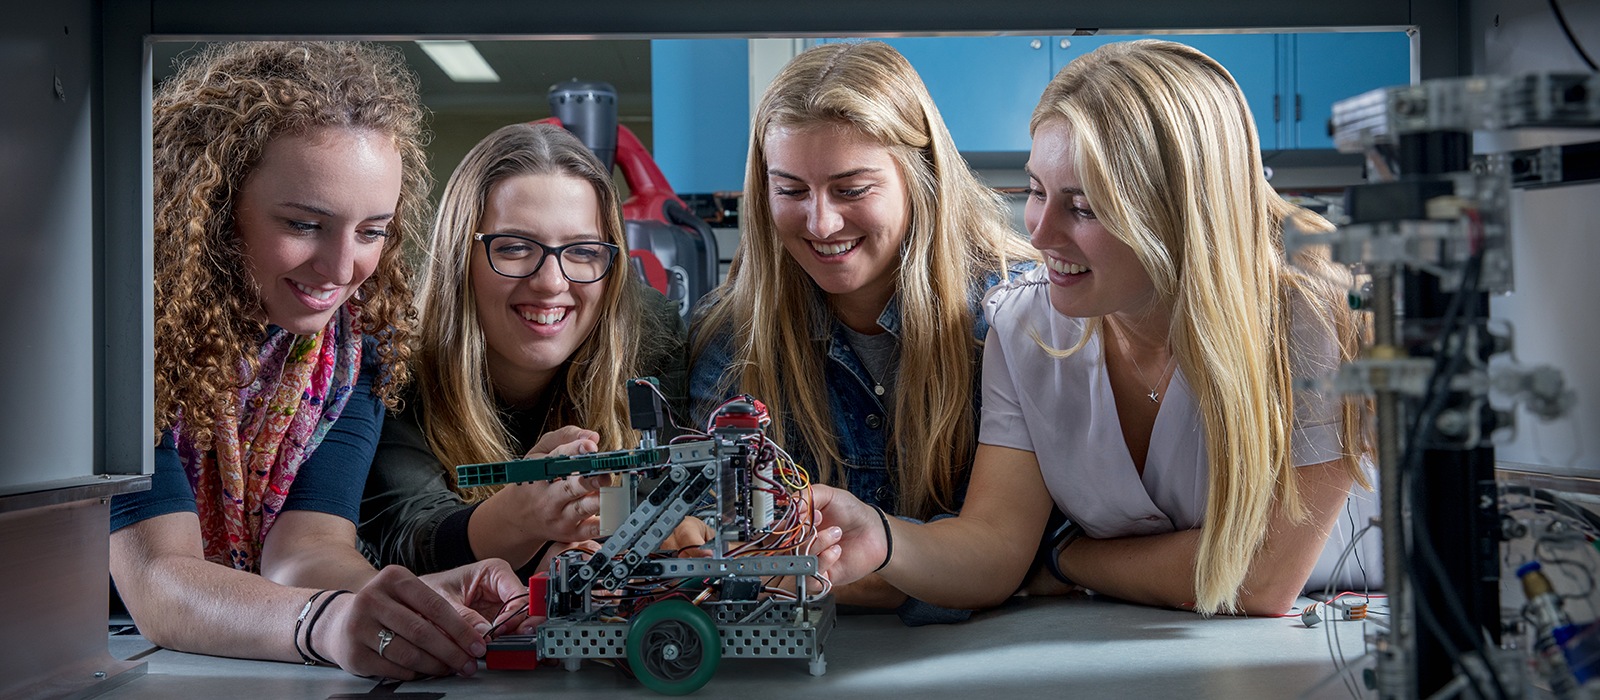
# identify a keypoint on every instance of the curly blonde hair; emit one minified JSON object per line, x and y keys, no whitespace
{"x":211,"y":122}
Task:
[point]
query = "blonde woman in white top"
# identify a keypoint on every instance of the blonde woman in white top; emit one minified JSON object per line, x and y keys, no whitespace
{"x":1143,"y":380}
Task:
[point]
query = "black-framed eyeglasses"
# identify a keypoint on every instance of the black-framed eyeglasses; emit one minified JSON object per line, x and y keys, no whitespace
{"x":515,"y":256}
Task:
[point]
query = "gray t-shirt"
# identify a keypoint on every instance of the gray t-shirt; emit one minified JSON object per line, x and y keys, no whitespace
{"x":880,"y":354}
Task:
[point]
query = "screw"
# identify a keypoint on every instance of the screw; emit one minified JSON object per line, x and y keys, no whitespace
{"x":61,"y":92}
{"x":1066,"y":43}
{"x":669,"y":652}
{"x":1454,"y":423}
{"x":100,"y":674}
{"x":1036,"y":43}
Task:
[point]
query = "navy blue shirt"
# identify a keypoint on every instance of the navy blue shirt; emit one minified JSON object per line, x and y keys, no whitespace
{"x":329,"y":481}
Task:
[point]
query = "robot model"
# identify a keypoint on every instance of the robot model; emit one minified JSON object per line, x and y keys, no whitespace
{"x":672,"y":618}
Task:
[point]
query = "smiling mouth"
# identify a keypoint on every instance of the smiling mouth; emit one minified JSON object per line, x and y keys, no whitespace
{"x":318,"y":294}
{"x":1063,"y":267}
{"x":544,"y":317}
{"x":829,"y":250}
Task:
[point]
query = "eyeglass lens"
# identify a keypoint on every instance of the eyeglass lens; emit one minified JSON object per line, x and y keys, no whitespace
{"x":580,"y":262}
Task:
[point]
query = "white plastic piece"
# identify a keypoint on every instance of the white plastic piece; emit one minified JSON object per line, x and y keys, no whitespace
{"x":818,"y":665}
{"x":761,"y":501}
{"x":571,"y":663}
{"x":615,"y":504}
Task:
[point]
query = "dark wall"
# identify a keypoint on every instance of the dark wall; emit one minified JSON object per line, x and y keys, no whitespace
{"x":47,"y":229}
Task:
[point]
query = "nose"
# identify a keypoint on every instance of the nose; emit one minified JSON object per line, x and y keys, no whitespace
{"x":823,"y":220}
{"x":548,"y":279}
{"x":336,"y":258}
{"x":1046,"y":227}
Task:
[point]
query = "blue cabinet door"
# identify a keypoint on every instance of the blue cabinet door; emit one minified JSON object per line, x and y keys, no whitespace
{"x":1331,"y":67}
{"x":985,"y":87}
{"x":1250,"y":58}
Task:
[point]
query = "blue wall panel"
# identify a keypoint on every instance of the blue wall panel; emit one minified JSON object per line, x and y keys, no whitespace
{"x":985,"y":87}
{"x":1331,"y":67}
{"x":700,"y":99}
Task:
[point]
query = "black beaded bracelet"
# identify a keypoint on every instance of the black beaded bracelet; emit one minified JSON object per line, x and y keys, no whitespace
{"x":888,"y":538}
{"x":298,"y":621}
{"x":312,"y":627}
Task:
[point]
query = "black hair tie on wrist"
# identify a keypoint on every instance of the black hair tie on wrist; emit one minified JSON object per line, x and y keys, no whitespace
{"x":298,"y":621}
{"x":311,"y":628}
{"x":888,"y":538}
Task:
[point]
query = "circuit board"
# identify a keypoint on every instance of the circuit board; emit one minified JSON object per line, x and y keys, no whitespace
{"x":546,"y":468}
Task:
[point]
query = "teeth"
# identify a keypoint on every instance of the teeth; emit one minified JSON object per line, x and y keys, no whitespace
{"x":545,"y":317}
{"x":834,"y":248}
{"x":1065,"y":268}
{"x":319,"y":295}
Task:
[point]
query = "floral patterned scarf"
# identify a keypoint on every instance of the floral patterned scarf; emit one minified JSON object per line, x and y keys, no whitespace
{"x":301,"y":387}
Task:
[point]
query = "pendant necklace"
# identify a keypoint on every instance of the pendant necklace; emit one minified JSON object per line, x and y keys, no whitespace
{"x":1154,"y":396}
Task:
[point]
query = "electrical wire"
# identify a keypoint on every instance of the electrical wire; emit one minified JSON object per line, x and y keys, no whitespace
{"x":495,"y":630}
{"x":1447,"y":364}
{"x":1562,"y":20}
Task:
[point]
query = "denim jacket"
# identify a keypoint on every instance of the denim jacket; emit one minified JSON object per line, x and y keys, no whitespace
{"x":859,"y":419}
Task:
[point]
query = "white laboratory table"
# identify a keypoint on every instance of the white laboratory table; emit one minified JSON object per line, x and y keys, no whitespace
{"x":1078,"y":647}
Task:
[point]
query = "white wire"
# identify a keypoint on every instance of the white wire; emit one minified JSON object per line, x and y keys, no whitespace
{"x":1335,"y":648}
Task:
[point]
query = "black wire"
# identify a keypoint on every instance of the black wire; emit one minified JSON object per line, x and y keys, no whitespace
{"x":1365,"y":582}
{"x":1446,"y":365}
{"x":1570,"y":38}
{"x":495,"y":630}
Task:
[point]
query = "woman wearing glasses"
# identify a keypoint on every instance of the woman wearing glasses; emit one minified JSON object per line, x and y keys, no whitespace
{"x":529,"y":322}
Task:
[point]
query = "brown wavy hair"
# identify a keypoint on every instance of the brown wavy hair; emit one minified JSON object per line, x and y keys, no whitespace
{"x":211,"y":122}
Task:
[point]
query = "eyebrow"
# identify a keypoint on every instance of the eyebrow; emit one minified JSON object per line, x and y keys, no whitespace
{"x":831,"y":178}
{"x":319,"y":211}
{"x":577,"y":237}
{"x":1068,"y":190}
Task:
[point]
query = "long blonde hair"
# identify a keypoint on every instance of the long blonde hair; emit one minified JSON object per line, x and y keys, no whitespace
{"x":459,"y":416}
{"x":956,"y":235}
{"x":209,"y":126}
{"x":1168,"y":156}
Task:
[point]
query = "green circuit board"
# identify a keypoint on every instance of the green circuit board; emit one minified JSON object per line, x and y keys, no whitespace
{"x":523,"y":470}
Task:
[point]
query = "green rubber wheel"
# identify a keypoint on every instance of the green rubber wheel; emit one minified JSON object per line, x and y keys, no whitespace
{"x":674,"y":647}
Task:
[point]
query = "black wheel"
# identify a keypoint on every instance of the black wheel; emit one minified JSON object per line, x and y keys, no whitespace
{"x":674,"y":647}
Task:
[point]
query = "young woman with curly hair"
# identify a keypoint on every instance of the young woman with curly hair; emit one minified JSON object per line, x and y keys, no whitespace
{"x":1143,"y":380}
{"x":288,"y":179}
{"x":531,"y":320}
{"x":851,"y":308}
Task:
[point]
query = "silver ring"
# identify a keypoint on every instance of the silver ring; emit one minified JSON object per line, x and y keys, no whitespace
{"x":384,"y":637}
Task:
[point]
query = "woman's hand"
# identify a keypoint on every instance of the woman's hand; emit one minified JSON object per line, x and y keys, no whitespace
{"x":431,"y":636}
{"x":480,"y":591}
{"x":567,"y":440}
{"x":691,"y":533}
{"x":564,"y":510}
{"x":518,"y":519}
{"x":851,"y":541}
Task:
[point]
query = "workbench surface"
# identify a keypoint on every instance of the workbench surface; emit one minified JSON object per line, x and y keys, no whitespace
{"x":1078,"y":647}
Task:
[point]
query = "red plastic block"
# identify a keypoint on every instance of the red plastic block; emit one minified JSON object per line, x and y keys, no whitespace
{"x":512,"y":660}
{"x":538,"y":589}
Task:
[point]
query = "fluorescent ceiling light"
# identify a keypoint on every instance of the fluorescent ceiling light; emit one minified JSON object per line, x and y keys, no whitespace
{"x":460,"y":60}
